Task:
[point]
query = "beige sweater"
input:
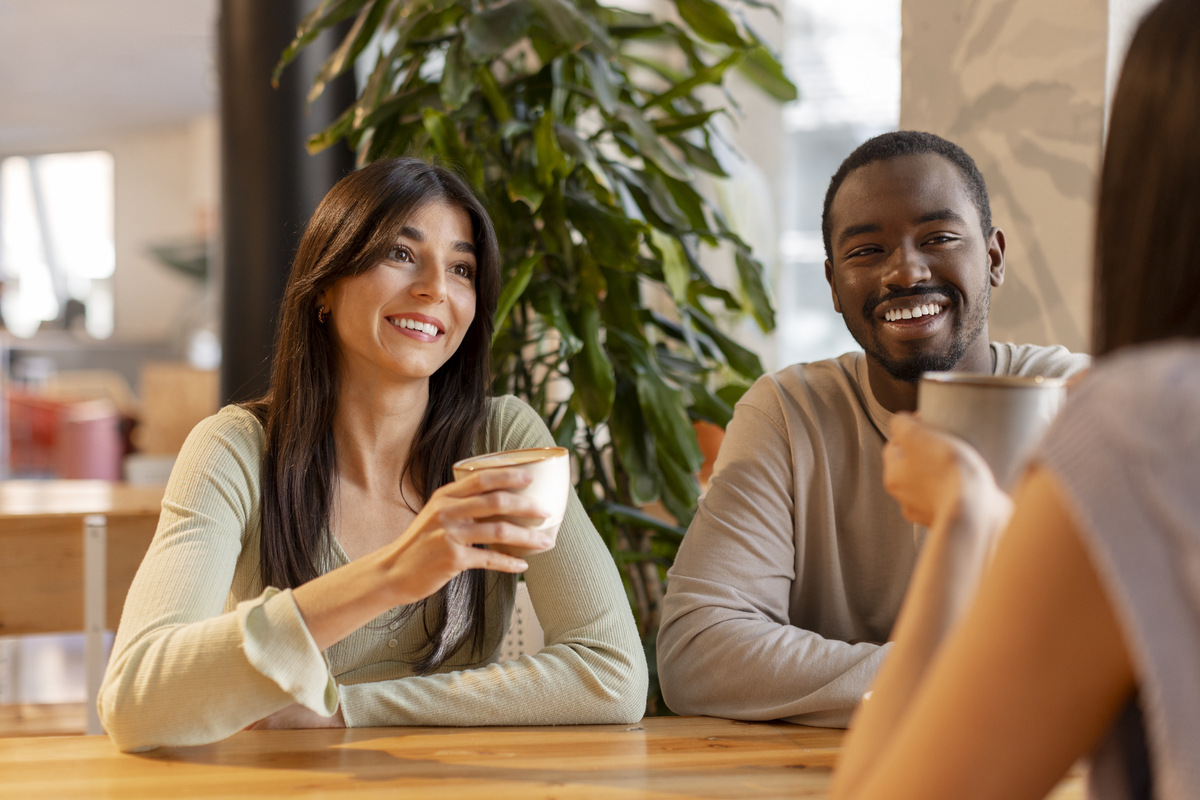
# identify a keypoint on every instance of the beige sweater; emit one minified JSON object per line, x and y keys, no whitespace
{"x":795,"y":565}
{"x":203,"y":650}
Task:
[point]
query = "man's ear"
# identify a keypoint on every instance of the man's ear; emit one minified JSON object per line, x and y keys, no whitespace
{"x":996,"y":256}
{"x":837,"y":304}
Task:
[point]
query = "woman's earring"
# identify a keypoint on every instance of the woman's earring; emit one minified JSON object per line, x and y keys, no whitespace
{"x":322,"y":314}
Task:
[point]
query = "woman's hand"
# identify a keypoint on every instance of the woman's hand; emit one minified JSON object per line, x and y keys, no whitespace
{"x":297,"y":716}
{"x":465,"y":525}
{"x":939,"y":479}
{"x":454,"y":532}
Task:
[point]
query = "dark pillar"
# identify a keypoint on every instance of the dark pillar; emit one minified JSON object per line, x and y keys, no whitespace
{"x":270,"y":184}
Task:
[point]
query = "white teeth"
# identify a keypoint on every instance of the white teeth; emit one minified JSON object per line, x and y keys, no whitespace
{"x":927,"y":310}
{"x":412,"y":324}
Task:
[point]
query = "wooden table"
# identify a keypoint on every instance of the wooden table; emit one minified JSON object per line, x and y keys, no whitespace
{"x":660,"y":757}
{"x":70,"y":550}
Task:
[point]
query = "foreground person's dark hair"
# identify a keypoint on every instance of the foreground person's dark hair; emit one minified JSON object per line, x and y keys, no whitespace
{"x":350,"y":232}
{"x":1147,"y":272}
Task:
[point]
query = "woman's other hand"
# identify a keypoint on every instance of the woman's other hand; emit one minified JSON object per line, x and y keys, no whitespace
{"x":940,"y":479}
{"x":297,"y":716}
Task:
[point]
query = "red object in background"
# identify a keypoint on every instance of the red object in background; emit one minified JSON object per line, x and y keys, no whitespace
{"x":63,"y":438}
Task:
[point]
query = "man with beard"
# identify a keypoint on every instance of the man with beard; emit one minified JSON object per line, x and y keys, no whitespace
{"x":790,"y":577}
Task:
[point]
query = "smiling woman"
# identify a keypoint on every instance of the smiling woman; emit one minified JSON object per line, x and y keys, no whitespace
{"x":315,"y":555}
{"x":423,"y":290}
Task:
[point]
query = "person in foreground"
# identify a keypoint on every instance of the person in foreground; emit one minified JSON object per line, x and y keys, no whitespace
{"x":315,"y":563}
{"x":793,"y":570}
{"x":1083,"y":635}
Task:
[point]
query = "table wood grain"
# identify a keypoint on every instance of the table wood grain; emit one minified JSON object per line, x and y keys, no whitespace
{"x":666,"y":758}
{"x":77,"y":498}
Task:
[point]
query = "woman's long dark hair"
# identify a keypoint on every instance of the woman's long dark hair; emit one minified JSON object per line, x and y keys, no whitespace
{"x":1147,"y":247}
{"x":351,"y":231}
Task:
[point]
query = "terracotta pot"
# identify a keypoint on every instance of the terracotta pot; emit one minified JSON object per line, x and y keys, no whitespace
{"x":709,"y":437}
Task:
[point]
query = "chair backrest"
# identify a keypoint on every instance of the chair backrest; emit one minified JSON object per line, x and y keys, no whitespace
{"x":524,"y":631}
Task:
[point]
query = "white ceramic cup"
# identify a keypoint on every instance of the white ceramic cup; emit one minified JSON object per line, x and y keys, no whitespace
{"x":1001,"y":416}
{"x":551,"y":484}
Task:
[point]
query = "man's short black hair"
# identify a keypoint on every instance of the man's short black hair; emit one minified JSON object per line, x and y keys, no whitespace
{"x":887,"y":146}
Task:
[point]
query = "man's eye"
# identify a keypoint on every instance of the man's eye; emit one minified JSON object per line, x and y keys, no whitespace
{"x":862,"y":251}
{"x":940,"y":239}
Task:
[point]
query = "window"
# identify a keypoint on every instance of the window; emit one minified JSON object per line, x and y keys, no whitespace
{"x":845,"y":59}
{"x":56,"y":242}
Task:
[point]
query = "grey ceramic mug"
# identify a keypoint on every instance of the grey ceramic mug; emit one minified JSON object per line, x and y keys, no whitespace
{"x":1001,"y":416}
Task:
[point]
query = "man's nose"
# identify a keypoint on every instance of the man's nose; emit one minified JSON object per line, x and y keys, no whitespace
{"x":905,"y":267}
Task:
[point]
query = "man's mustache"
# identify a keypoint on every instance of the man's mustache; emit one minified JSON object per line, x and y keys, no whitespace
{"x":948,"y":292}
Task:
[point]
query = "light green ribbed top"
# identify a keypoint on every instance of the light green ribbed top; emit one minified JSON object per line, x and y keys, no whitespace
{"x":203,"y":649}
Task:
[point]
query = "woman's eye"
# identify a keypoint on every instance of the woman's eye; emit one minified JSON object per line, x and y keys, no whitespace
{"x":400,"y":253}
{"x":463,"y":270}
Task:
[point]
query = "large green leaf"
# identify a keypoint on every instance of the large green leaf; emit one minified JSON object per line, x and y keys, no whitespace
{"x":548,"y":158}
{"x":569,"y":27}
{"x":674,"y":264}
{"x":663,"y":407}
{"x":652,"y":146}
{"x":591,"y":370}
{"x":324,"y":16}
{"x":445,"y":137}
{"x":634,"y":446}
{"x":701,"y":157}
{"x":602,"y":81}
{"x":750,"y":274}
{"x":674,"y":125}
{"x":514,"y":289}
{"x":710,"y":21}
{"x":681,"y":487}
{"x":708,"y":75}
{"x":360,"y":35}
{"x":549,"y":304}
{"x":641,"y":519}
{"x":741,"y":359}
{"x":761,"y":68}
{"x":497,"y":28}
{"x":457,"y":77}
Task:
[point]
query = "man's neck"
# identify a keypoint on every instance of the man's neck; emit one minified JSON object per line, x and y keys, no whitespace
{"x":898,"y":395}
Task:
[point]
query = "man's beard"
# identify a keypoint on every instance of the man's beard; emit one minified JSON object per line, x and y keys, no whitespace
{"x":910,"y":368}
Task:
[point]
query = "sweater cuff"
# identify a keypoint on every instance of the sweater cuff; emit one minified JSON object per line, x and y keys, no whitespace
{"x":277,"y":644}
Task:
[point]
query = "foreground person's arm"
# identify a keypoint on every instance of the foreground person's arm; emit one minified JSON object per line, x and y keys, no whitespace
{"x":1028,"y":680}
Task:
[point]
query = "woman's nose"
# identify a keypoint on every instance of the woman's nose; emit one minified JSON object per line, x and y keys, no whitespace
{"x":430,"y":282}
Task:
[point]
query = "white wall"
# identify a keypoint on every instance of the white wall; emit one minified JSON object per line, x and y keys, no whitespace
{"x":1020,"y":84}
{"x":166,"y":190}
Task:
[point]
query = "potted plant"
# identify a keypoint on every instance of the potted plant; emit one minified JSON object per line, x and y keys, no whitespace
{"x":587,"y":130}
